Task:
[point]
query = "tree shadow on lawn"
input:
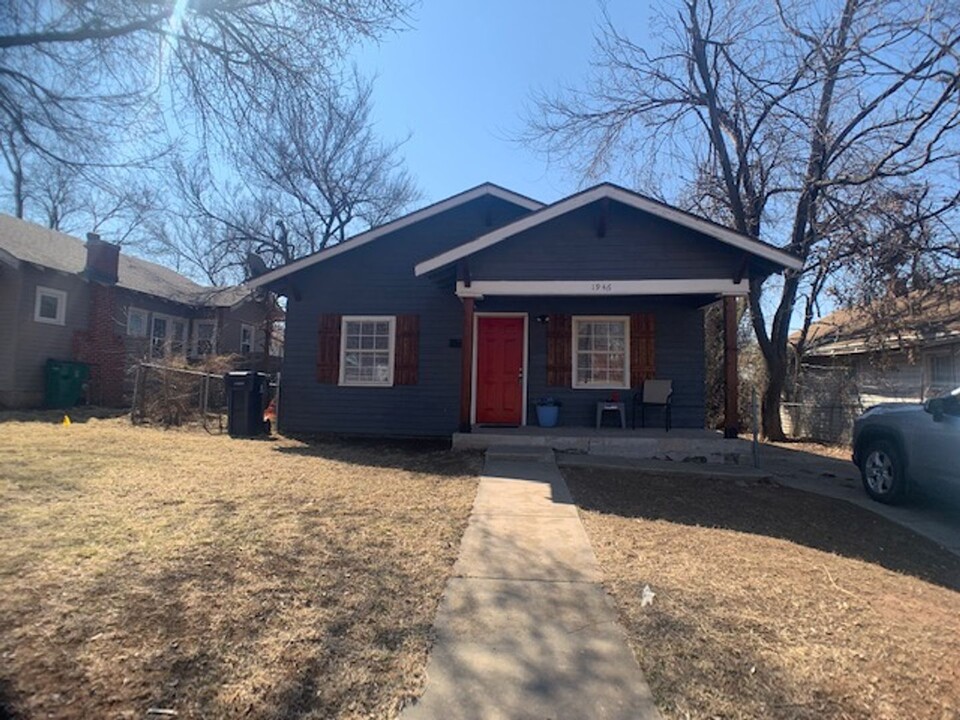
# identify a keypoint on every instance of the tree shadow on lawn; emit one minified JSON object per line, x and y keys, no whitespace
{"x":292,"y":633}
{"x":424,"y":455}
{"x":764,"y":508}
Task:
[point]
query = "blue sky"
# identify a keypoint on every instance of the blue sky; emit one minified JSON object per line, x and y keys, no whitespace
{"x":458,"y":80}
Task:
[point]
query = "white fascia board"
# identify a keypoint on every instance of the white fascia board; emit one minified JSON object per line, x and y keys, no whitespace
{"x":627,"y":198}
{"x":377,"y":232}
{"x":600,"y":288}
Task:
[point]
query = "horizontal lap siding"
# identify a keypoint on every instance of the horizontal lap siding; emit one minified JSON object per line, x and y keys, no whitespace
{"x":378,"y":279}
{"x":636,"y":246}
{"x":678,"y":348}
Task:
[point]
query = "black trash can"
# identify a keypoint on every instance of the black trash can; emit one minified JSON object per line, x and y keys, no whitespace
{"x":245,"y":403}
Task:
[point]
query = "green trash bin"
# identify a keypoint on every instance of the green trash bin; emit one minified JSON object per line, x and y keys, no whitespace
{"x":66,"y":383}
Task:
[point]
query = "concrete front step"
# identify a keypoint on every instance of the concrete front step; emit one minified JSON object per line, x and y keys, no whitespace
{"x":536,"y":453}
{"x":688,"y":447}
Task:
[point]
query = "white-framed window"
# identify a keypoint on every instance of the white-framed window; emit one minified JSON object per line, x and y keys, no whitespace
{"x":204,"y":337}
{"x":136,"y":322}
{"x":247,"y":335}
{"x":51,"y":306}
{"x":366,"y":350}
{"x":167,"y":335}
{"x":601,"y":352}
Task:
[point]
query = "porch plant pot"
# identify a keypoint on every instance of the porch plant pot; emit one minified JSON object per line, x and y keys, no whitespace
{"x":548,"y":412}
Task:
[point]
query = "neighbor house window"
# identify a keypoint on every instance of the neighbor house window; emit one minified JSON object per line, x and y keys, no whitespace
{"x":246,"y":338}
{"x":366,"y":350}
{"x":204,"y":337}
{"x":136,"y":322}
{"x":941,"y":369}
{"x":600,"y":352}
{"x":51,"y":306}
{"x":167,"y":335}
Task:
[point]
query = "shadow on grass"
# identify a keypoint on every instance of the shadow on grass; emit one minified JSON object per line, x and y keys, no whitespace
{"x":318,"y":630}
{"x":429,"y":455}
{"x":760,"y":508}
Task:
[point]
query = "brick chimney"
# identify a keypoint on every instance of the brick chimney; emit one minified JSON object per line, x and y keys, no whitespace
{"x":103,"y":260}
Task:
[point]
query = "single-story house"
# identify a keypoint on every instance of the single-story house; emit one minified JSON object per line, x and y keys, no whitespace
{"x":65,"y":299}
{"x":898,"y":349}
{"x":467,"y":311}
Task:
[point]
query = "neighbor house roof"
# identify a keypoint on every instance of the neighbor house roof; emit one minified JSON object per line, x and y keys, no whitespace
{"x":629,"y":198}
{"x":919,"y":318}
{"x":27,"y":242}
{"x":374,"y":233}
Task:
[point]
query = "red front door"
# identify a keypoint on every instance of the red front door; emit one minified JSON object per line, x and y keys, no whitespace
{"x":499,"y":370}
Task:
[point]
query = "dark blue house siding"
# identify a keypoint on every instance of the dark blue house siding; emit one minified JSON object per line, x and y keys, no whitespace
{"x":378,"y":279}
{"x":636,"y":245}
{"x":678,"y":345}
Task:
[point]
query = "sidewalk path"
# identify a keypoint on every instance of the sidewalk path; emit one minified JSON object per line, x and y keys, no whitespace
{"x":525,"y":630}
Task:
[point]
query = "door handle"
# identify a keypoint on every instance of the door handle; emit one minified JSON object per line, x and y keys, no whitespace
{"x":520,"y":376}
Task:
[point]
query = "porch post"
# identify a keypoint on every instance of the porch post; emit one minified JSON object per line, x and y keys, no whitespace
{"x":466,"y":364}
{"x":731,"y":420}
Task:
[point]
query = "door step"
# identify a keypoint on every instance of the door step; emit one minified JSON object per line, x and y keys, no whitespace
{"x":520,"y":452}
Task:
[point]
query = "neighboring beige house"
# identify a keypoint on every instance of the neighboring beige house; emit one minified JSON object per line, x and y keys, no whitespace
{"x":904,"y":349}
{"x":66,"y":299}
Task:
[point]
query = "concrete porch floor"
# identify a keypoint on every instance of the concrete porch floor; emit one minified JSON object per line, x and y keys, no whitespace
{"x":679,"y":444}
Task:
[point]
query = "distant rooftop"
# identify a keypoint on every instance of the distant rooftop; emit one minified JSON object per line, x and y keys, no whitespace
{"x":31,"y":243}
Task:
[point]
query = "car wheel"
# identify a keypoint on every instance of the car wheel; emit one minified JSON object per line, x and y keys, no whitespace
{"x":882,"y":472}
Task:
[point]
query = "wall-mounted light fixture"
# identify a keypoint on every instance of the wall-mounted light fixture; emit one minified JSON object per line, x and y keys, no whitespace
{"x":543,"y":319}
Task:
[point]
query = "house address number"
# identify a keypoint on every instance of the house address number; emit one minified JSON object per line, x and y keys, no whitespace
{"x":601,"y":287}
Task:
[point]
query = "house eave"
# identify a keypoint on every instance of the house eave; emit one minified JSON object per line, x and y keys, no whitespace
{"x":612,"y":192}
{"x":374,"y":233}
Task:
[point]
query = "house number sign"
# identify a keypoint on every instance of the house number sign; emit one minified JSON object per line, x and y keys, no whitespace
{"x":601,"y":287}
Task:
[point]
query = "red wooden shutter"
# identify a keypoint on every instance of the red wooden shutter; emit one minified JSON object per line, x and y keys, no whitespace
{"x":406,"y":361}
{"x":643,"y":358}
{"x":328,"y":350}
{"x":559,"y":351}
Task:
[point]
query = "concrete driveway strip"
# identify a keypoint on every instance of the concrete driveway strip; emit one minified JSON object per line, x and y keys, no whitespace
{"x":525,"y":630}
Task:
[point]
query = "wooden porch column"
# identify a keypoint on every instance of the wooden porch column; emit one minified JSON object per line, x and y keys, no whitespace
{"x":731,"y":383}
{"x":466,"y":364}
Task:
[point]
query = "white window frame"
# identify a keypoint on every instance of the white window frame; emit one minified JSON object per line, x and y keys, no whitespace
{"x":392,"y":320}
{"x":195,"y":340}
{"x":932,"y":358}
{"x":131,"y":311}
{"x":168,"y":334}
{"x":253,"y":338}
{"x":61,"y":298}
{"x":576,"y":320}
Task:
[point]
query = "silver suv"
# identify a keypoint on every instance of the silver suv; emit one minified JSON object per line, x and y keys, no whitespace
{"x":898,"y":446}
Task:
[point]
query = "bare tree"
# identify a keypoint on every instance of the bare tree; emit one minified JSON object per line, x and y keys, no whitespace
{"x":786,"y":117}
{"x":306,"y":178}
{"x":99,"y":83}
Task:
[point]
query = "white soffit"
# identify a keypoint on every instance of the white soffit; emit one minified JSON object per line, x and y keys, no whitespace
{"x":626,"y":197}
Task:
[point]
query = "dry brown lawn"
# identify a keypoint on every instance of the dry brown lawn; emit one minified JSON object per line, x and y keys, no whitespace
{"x":773,"y":603}
{"x":177,"y":570}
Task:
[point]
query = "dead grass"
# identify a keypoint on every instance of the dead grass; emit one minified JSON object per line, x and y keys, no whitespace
{"x":144,"y":569}
{"x":773,"y":603}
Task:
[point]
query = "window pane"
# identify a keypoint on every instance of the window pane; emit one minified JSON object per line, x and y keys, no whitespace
{"x":48,"y":307}
{"x":366,"y":342}
{"x":353,"y":328}
{"x":382,"y":343}
{"x":383,"y":328}
{"x":353,"y":342}
{"x":367,"y":328}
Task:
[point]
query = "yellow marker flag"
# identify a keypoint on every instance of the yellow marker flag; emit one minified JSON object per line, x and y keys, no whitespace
{"x":66,"y":421}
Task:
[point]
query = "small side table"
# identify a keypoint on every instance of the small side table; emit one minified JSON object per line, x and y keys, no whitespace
{"x":609,"y":406}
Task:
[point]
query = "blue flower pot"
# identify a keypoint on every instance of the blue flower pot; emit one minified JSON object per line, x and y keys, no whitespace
{"x":547,"y":415}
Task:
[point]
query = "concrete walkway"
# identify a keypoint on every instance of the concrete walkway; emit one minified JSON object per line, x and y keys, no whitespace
{"x":525,"y":630}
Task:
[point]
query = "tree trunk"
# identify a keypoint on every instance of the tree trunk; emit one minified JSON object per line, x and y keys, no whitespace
{"x":770,"y":406}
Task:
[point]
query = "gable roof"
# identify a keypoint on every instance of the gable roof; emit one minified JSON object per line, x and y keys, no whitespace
{"x":919,"y":318}
{"x":27,"y":242}
{"x":627,"y":197}
{"x":374,"y":233}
